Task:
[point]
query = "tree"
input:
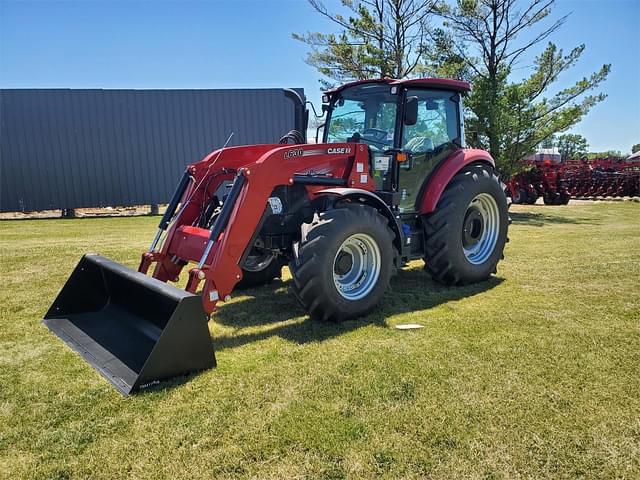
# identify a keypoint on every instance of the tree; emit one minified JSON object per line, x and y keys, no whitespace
{"x":635,"y":148}
{"x":549,"y":142}
{"x":605,"y":154}
{"x":443,"y":59}
{"x":378,"y":38}
{"x":572,"y":146}
{"x":512,"y":118}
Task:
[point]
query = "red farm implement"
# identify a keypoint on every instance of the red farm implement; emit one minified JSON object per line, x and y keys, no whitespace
{"x":542,"y":179}
{"x":390,"y":183}
{"x":557,"y":182}
{"x":607,"y":177}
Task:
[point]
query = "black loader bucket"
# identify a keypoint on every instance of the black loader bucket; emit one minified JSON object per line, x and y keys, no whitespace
{"x":133,"y":329}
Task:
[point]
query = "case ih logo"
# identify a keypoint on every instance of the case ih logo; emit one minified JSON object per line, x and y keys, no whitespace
{"x":339,"y":151}
{"x":299,"y":152}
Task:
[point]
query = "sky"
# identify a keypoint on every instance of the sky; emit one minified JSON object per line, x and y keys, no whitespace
{"x":247,"y":44}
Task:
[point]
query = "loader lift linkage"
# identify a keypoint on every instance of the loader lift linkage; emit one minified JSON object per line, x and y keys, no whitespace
{"x":390,"y":183}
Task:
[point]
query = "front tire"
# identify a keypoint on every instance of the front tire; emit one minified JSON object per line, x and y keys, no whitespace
{"x":343,"y":262}
{"x":466,"y":234}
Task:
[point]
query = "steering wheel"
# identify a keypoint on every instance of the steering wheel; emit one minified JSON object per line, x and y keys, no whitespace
{"x":377,"y":134}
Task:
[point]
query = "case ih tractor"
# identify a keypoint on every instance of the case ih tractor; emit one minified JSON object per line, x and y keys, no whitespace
{"x":391,"y":182}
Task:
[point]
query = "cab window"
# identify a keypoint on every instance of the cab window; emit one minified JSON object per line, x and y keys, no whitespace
{"x":437,"y":123}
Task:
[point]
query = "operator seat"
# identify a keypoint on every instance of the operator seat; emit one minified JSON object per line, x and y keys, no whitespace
{"x":355,"y":138}
{"x":418,"y":145}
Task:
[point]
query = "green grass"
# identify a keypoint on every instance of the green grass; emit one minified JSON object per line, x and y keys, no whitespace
{"x":534,"y":374}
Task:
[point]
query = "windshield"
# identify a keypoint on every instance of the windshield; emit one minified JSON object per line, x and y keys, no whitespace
{"x":367,"y":110}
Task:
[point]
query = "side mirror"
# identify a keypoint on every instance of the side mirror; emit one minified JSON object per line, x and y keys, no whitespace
{"x":325,"y":108}
{"x":411,"y":111}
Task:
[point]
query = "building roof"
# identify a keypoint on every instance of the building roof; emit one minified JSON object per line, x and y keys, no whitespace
{"x":446,"y":83}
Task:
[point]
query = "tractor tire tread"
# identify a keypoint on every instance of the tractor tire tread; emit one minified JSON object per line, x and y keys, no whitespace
{"x":438,"y":229}
{"x":308,"y":285}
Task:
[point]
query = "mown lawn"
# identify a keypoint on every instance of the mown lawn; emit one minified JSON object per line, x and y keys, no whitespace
{"x":534,"y":374}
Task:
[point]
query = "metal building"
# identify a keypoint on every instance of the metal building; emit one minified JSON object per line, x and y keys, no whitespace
{"x":62,"y":148}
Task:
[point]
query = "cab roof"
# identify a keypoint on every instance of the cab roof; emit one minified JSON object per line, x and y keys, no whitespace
{"x":444,"y":83}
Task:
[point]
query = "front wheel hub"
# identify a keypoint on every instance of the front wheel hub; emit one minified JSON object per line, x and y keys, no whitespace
{"x":356,"y":266}
{"x":343,"y":263}
{"x":473,"y":227}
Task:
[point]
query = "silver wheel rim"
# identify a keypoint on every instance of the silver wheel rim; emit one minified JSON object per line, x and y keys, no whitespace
{"x":480,"y":229}
{"x":356,"y":266}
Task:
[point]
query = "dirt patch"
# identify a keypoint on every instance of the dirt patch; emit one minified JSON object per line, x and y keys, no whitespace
{"x":84,"y":212}
{"x":588,"y":201}
{"x":591,"y":201}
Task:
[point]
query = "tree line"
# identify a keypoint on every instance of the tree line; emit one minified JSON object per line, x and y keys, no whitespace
{"x":512,"y":108}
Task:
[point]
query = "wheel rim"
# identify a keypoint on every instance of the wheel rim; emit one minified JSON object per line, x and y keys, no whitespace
{"x":480,"y":229}
{"x":356,"y":266}
{"x":257,"y":261}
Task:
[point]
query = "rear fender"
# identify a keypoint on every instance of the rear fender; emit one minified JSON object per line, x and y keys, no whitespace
{"x":436,"y":183}
{"x":357,"y":195}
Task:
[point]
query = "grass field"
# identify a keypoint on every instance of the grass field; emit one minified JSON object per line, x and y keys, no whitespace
{"x":533,"y":374}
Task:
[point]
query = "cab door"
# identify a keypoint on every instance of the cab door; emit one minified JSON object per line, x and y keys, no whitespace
{"x":435,"y":135}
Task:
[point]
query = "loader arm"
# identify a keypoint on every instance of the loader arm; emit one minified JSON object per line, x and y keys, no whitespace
{"x":256,"y":171}
{"x":215,"y":168}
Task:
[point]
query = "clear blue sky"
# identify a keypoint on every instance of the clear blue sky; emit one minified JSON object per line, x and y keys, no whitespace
{"x":233,"y":44}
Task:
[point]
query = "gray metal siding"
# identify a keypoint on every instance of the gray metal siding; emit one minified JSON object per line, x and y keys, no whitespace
{"x":90,"y":148}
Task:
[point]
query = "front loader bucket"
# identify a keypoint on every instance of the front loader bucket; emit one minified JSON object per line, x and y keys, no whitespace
{"x":133,"y":329}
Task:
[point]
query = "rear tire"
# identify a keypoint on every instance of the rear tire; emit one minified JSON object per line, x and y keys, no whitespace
{"x":466,"y":234}
{"x":343,"y":262}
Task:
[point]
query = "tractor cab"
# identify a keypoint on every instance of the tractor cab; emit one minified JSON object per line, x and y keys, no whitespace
{"x":410,"y":127}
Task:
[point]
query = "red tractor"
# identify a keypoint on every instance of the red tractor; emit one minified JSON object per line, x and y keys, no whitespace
{"x":391,"y":182}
